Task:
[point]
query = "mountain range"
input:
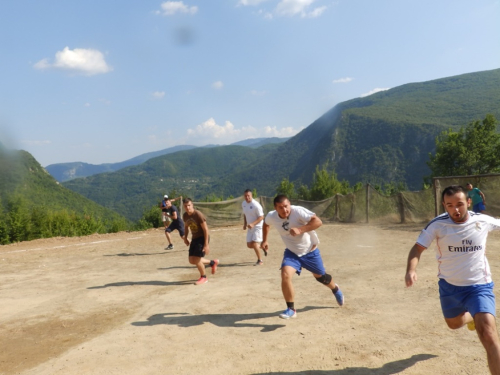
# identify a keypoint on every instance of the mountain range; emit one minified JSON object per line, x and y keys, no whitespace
{"x":68,"y":171}
{"x":385,"y":137}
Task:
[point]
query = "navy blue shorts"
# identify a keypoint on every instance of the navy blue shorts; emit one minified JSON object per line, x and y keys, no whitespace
{"x":311,"y":261}
{"x":456,"y":300}
{"x":176,"y":224}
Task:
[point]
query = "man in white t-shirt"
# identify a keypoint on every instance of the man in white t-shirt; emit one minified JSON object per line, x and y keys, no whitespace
{"x":296,"y":226}
{"x":253,"y":215}
{"x":465,"y":284}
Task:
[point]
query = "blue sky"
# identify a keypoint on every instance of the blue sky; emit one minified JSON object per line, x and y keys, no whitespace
{"x":103,"y":81}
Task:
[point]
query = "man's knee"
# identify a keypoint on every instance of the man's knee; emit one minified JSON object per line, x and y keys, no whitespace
{"x":325,"y":279}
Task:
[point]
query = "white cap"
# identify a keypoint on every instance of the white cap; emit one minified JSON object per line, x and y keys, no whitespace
{"x":165,"y":196}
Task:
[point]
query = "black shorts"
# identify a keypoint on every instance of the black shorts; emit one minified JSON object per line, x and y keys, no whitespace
{"x":176,"y":224}
{"x":196,"y":247}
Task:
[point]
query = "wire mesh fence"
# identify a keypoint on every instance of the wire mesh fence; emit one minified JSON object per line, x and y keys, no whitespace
{"x":366,"y":205}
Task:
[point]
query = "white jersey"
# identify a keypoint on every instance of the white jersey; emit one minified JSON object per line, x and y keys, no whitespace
{"x":461,"y":247}
{"x":299,"y":216}
{"x":252,"y":211}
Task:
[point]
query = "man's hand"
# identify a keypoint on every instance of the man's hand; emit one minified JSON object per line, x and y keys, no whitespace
{"x":410,"y":278}
{"x":206,"y":249}
{"x":245,"y":227}
{"x":295,"y":232}
{"x":186,"y":241}
{"x":264,"y":246}
{"x":249,"y":226}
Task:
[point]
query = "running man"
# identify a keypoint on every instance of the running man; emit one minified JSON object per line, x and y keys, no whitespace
{"x":477,"y":197}
{"x":198,"y":246}
{"x":465,"y":284}
{"x":296,"y":226}
{"x":253,"y":216}
{"x":176,"y":224}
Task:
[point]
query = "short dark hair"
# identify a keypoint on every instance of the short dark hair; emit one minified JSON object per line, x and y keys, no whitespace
{"x":452,"y":190}
{"x":279,"y":199}
{"x":186,"y":200}
{"x":247,"y":191}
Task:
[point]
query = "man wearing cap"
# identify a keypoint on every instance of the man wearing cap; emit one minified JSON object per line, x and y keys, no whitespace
{"x":170,"y":214}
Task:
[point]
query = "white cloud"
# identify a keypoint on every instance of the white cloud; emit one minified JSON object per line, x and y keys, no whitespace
{"x":158,"y":94}
{"x":343,"y":80}
{"x":250,"y":2}
{"x":86,"y":105}
{"x":169,"y":8}
{"x":298,"y":7}
{"x":283,"y":132}
{"x":210,"y":129}
{"x":217,"y":85}
{"x":80,"y":61}
{"x":374,"y":91}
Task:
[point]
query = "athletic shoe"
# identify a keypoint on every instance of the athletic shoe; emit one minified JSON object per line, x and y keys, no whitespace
{"x":259,"y":263}
{"x":471,"y":326}
{"x":201,"y":280}
{"x":288,"y":314}
{"x":339,"y":296}
{"x":170,"y":247}
{"x":214,"y":267}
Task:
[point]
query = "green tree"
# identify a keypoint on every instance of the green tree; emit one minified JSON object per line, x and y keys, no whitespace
{"x":287,"y":188}
{"x":326,"y":185}
{"x":472,"y":150}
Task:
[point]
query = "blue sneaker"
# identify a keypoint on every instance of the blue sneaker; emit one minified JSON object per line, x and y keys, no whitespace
{"x":288,"y":313}
{"x":339,"y":296}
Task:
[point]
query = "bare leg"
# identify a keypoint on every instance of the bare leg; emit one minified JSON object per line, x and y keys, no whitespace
{"x":199,"y":263}
{"x":487,"y":332}
{"x":286,"y":283}
{"x":458,"y":321}
{"x":169,"y":239}
{"x":256,"y":247}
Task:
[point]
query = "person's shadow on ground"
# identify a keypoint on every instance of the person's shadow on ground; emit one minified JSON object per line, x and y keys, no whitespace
{"x":390,"y":368}
{"x":220,"y":320}
{"x":152,"y":282}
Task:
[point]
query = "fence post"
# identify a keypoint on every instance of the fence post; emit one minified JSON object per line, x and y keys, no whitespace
{"x":367,"y":202}
{"x":337,"y":198}
{"x":401,"y":207}
{"x":437,"y":188}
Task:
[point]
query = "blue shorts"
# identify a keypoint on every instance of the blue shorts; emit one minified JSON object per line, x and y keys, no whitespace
{"x":478,"y":207}
{"x":456,"y":300}
{"x":311,"y":261}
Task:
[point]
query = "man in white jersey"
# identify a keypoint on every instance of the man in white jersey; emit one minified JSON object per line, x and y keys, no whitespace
{"x":253,"y":215}
{"x":296,"y":226}
{"x":465,"y":284}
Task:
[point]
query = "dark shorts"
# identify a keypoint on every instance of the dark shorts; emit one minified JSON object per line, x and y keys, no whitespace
{"x":456,"y":300}
{"x":176,"y":224}
{"x":478,"y":208}
{"x":196,"y":247}
{"x":311,"y":261}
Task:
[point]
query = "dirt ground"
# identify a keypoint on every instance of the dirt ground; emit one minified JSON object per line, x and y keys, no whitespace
{"x":121,"y":304}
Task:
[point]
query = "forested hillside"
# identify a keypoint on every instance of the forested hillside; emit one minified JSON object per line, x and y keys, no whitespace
{"x":132,"y":190}
{"x":26,"y":187}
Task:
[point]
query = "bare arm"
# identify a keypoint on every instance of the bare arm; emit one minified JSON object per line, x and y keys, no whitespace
{"x":186,"y":232}
{"x":411,"y":267}
{"x":244,"y":222}
{"x":482,"y":196}
{"x":313,"y":224}
{"x":265,"y":232}
{"x":251,"y":225}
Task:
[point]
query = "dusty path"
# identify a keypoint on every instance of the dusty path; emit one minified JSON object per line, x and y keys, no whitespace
{"x":121,"y":304}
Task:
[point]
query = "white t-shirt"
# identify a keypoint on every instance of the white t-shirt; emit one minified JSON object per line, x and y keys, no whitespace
{"x":461,"y":247}
{"x":252,"y":211}
{"x":299,"y":216}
